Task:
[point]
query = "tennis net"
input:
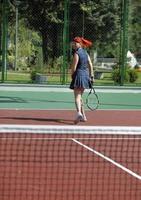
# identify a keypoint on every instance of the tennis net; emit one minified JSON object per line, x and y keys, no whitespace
{"x":70,"y":162}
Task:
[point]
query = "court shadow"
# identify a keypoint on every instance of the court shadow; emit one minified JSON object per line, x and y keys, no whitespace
{"x":120,"y":104}
{"x":7,"y":99}
{"x":55,"y":120}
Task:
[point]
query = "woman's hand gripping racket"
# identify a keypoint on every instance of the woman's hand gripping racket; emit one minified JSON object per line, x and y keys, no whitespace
{"x":92,"y":100}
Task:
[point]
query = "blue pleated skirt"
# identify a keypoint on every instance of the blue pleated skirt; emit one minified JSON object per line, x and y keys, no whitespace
{"x":80,"y":79}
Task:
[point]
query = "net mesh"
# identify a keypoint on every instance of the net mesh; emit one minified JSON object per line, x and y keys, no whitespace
{"x":98,"y":164}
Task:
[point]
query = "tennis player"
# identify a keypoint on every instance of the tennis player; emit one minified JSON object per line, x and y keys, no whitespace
{"x":82,"y":74}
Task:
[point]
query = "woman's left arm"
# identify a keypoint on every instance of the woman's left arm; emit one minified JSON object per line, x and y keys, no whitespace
{"x":74,"y":63}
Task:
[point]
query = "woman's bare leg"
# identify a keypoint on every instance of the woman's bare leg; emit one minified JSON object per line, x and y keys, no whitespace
{"x":77,"y":96}
{"x":83,"y":111}
{"x":79,"y":105}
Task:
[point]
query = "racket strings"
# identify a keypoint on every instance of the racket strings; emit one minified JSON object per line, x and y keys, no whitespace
{"x":92,"y":101}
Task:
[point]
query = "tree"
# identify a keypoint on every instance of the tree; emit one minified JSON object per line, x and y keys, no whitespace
{"x":100,"y":21}
{"x":97,"y":20}
{"x":44,"y":16}
{"x":135,"y":27}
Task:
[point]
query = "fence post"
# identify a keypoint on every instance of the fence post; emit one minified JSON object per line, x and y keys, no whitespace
{"x":124,"y":40}
{"x":4,"y":37}
{"x":65,"y":42}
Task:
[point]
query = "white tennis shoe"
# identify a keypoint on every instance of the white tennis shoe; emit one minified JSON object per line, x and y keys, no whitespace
{"x":80,"y":118}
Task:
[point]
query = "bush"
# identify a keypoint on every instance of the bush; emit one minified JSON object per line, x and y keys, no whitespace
{"x":133,"y":75}
{"x":36,"y":71}
{"x":130,"y":76}
{"x":33,"y":75}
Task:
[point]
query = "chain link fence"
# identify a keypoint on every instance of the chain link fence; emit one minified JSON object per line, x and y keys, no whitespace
{"x":36,"y":37}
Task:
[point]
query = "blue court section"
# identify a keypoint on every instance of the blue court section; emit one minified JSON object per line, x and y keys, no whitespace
{"x":41,"y":97}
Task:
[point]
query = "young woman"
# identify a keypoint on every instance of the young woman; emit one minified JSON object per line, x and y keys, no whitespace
{"x":82,"y":74}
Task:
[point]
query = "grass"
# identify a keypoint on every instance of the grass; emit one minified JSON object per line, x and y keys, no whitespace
{"x":25,"y":78}
{"x":107,"y":80}
{"x":18,"y":77}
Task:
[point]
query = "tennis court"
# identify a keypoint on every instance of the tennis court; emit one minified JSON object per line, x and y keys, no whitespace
{"x":43,"y":155}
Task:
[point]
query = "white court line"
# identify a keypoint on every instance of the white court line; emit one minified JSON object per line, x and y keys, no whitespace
{"x":109,"y":159}
{"x":66,"y":89}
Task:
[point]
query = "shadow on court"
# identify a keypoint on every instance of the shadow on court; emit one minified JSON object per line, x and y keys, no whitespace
{"x":55,"y":120}
{"x":121,"y":104}
{"x":8,"y":99}
{"x":66,"y":117}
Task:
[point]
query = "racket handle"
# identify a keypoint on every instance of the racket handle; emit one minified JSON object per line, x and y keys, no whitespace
{"x":92,"y":79}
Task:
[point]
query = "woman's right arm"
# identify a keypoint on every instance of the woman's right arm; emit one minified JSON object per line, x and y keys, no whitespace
{"x":90,"y":67}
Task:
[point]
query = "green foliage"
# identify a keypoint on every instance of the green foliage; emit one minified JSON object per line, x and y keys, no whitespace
{"x":117,"y":77}
{"x":28,"y":43}
{"x":40,"y":25}
{"x":45,"y":18}
{"x":33,"y":75}
{"x":102,"y":25}
{"x":135,"y":26}
{"x":130,"y":76}
{"x":36,"y":70}
{"x":133,"y":75}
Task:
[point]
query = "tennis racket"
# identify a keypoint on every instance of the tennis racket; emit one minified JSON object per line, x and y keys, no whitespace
{"x":92,"y":100}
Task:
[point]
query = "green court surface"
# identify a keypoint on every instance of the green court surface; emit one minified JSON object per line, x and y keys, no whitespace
{"x":28,"y":97}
